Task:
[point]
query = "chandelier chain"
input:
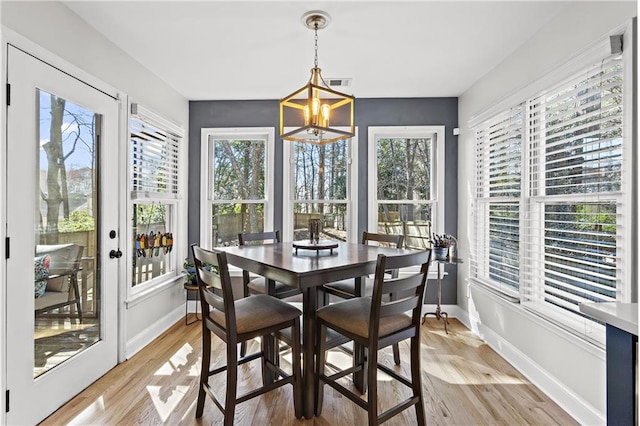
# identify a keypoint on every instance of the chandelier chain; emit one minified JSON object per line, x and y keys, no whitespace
{"x":315,"y":40}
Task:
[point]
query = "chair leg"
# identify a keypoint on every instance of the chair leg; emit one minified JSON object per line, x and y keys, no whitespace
{"x":416,"y":380}
{"x":269,"y":353}
{"x":232,"y":383}
{"x":396,"y":353}
{"x":360,"y":358}
{"x":243,"y":348}
{"x":372,"y":388}
{"x":297,"y":370}
{"x":74,"y":283}
{"x":204,"y":370}
{"x":186,"y":308}
{"x":79,"y":311}
{"x":321,"y":333}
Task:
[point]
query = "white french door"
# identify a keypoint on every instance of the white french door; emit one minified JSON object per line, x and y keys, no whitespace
{"x":62,"y":148}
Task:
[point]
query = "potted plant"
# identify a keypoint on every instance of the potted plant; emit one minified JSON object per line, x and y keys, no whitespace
{"x":443,"y":246}
{"x":189,"y":269}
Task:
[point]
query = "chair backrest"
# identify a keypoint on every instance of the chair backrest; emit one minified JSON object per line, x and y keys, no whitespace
{"x":385,"y":240}
{"x":259,"y":238}
{"x":411,"y":287}
{"x":214,"y":285}
{"x":256,"y":238}
{"x":65,"y":258}
{"x":417,"y":234}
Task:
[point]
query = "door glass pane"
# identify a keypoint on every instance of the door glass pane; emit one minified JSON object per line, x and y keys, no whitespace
{"x":66,"y":284}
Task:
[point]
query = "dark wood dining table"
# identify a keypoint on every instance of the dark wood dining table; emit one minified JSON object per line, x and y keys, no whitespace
{"x":307,"y":270}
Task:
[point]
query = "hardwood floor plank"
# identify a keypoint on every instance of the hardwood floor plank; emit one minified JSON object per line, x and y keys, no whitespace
{"x":465,"y":383}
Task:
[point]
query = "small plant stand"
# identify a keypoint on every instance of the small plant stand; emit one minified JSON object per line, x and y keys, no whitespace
{"x":439,"y":313}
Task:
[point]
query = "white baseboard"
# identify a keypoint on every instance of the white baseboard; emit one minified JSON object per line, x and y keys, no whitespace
{"x":575,"y":406}
{"x":153,"y":331}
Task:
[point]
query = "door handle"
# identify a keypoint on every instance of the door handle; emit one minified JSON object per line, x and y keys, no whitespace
{"x":115,"y":254}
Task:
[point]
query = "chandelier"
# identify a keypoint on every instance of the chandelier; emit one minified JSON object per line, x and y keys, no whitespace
{"x":313,"y":109}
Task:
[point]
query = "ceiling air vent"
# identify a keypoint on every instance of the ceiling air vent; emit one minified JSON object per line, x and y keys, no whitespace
{"x":338,"y":82}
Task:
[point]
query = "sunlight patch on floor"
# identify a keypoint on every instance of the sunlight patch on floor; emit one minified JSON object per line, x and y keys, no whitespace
{"x":89,"y":413}
{"x":165,"y":402}
{"x":176,"y":361}
{"x":457,"y":370}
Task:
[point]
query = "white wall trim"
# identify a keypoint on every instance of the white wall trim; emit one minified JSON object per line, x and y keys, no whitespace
{"x":139,"y":341}
{"x":21,"y":42}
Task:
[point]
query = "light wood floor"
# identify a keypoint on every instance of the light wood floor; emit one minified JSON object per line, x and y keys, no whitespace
{"x":465,"y":383}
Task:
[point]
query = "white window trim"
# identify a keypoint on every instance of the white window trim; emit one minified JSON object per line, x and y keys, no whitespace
{"x":206,"y":134}
{"x":351,"y":200}
{"x":375,"y":132}
{"x":150,"y":288}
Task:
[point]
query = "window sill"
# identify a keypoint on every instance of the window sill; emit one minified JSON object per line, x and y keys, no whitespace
{"x":508,"y":295}
{"x":152,"y":291}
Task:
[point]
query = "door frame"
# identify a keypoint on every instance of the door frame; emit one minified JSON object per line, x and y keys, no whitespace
{"x":10,"y":37}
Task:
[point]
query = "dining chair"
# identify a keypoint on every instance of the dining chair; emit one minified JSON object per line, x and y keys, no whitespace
{"x":260,"y":285}
{"x":375,"y":324}
{"x":346,"y":289}
{"x":236,"y":321}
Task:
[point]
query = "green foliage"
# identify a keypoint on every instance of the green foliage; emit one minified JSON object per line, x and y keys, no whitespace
{"x":404,"y":168}
{"x":79,"y":220}
{"x":444,"y":240}
{"x":239,"y":169}
{"x":189,"y":269}
{"x":149,"y":213}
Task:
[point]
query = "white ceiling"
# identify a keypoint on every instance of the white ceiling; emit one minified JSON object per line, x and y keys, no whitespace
{"x":261,"y":50}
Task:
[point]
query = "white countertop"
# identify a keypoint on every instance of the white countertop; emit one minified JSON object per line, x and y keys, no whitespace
{"x":621,"y":315}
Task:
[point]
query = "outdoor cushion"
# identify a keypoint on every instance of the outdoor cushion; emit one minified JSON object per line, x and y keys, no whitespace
{"x":41,"y":273}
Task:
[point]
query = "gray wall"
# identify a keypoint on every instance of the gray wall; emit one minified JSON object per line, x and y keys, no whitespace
{"x":368,"y":112}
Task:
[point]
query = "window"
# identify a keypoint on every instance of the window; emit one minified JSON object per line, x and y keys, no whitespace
{"x":156,"y":195}
{"x":552,"y":196}
{"x":320,"y":188}
{"x":406,"y":182}
{"x":497,"y":215}
{"x":236,"y":165}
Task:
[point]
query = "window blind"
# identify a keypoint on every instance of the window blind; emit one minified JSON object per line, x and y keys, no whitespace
{"x":497,"y":205}
{"x":575,"y":176}
{"x":153,"y":159}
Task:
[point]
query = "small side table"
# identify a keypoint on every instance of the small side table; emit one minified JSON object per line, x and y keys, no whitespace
{"x":188,"y":288}
{"x":439,"y":313}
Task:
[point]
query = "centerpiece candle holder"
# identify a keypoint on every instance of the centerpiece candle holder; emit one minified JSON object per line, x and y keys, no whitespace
{"x":315,"y":226}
